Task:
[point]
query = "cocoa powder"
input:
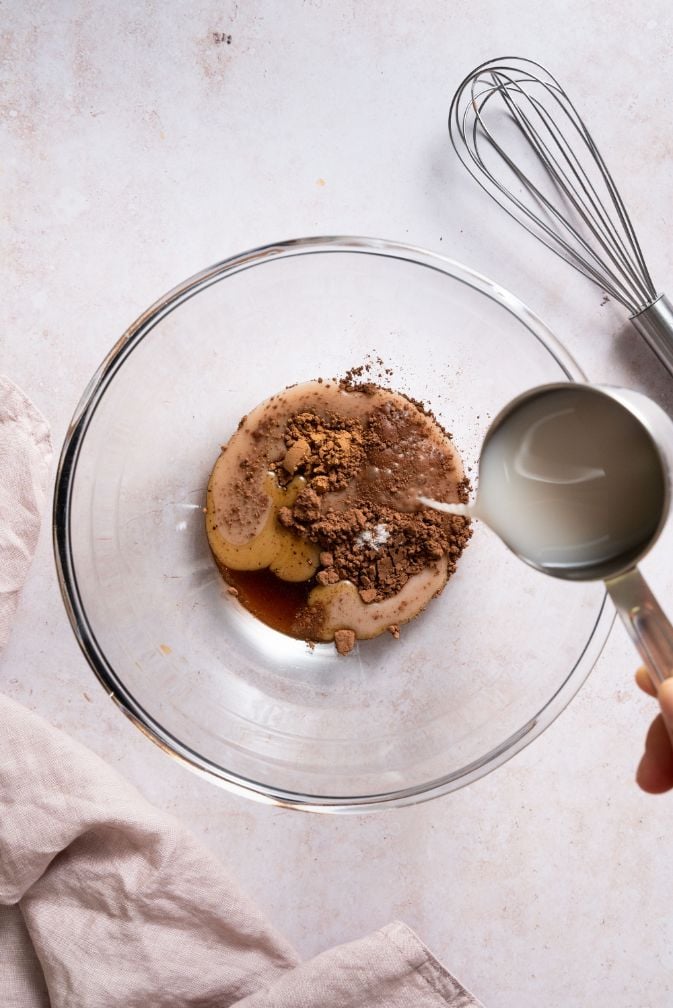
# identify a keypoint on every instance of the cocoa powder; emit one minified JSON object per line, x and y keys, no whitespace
{"x":327,"y":450}
{"x":362,"y":472}
{"x":344,"y":641}
{"x":375,"y":537}
{"x":407,"y":543}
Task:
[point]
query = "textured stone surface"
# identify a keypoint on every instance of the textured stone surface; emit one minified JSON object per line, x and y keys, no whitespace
{"x":141,"y":144}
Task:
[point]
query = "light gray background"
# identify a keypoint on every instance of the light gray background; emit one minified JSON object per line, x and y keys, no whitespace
{"x":137,"y":149}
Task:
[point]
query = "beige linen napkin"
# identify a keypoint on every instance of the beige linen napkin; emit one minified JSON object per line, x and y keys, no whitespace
{"x":25,"y":453}
{"x":105,"y":901}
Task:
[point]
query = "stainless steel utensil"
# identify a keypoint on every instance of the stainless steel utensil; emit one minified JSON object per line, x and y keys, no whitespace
{"x":575,"y":479}
{"x":564,"y":196}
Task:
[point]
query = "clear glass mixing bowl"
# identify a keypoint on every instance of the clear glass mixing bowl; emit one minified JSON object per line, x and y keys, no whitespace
{"x":482,"y":672}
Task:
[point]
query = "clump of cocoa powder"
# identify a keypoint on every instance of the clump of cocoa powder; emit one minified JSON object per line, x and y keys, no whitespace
{"x":375,"y":547}
{"x":327,"y":450}
{"x":344,"y":641}
{"x":377,"y":536}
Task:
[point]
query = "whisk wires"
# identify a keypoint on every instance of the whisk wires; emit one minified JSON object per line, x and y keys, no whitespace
{"x":574,"y":207}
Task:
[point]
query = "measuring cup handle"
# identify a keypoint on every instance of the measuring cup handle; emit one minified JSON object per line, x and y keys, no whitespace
{"x":646,"y":622}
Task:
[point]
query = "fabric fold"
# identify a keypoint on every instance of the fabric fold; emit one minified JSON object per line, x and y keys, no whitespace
{"x":124,"y":907}
{"x":390,"y":968}
{"x":25,"y":454}
{"x":121,"y":904}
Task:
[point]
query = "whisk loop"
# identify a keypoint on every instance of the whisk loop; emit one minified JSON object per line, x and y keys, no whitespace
{"x":565,"y":195}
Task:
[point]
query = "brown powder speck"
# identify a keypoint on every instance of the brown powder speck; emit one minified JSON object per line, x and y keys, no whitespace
{"x":327,"y":577}
{"x":373,"y":366}
{"x":285,"y":517}
{"x":344,"y":641}
{"x":354,"y":372}
{"x":306,"y":508}
{"x":308,"y":622}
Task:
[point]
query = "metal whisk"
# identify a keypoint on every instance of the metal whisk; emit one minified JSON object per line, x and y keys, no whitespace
{"x":565,"y":196}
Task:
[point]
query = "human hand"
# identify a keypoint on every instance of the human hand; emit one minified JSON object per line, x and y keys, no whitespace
{"x":655,"y":771}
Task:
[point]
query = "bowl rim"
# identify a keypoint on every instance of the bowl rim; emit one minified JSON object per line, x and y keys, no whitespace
{"x":65,"y":567}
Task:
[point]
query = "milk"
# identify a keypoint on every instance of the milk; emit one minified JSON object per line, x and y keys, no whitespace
{"x":571,"y":480}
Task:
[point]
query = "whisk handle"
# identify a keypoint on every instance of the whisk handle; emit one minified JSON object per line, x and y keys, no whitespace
{"x":655,"y":325}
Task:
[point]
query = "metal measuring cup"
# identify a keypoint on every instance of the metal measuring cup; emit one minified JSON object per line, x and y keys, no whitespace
{"x":647,"y":625}
{"x":644,"y":478}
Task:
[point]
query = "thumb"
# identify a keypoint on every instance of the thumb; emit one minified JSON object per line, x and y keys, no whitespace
{"x":665,"y":696}
{"x":655,"y":771}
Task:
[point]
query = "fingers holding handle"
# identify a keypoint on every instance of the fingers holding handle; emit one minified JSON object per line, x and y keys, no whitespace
{"x":655,"y":771}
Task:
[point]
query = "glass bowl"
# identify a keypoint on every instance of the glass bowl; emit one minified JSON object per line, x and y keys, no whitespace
{"x":483,"y":671}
